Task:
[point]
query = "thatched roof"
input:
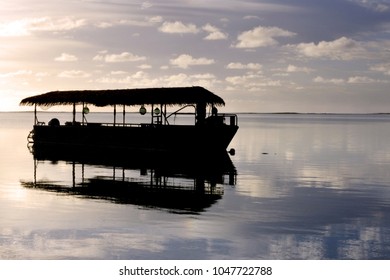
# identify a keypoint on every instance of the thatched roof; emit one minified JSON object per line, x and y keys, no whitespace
{"x":168,"y":96}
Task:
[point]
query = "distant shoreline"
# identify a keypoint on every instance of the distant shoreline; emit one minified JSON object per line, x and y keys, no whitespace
{"x":297,"y":113}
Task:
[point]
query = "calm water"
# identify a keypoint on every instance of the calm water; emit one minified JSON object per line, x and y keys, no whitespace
{"x":299,"y":187}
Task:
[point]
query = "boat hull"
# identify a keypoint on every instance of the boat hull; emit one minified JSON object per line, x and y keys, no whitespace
{"x":164,"y":138}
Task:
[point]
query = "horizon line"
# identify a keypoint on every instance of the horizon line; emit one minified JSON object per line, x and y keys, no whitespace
{"x":249,"y":113}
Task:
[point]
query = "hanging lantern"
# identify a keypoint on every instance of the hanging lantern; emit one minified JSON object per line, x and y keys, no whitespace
{"x":45,"y":107}
{"x":86,"y":110}
{"x":142,"y":110}
{"x":157,"y":111}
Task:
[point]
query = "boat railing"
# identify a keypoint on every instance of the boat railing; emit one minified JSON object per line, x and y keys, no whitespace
{"x":107,"y":124}
{"x":233,"y":119}
{"x":98,"y":124}
{"x":117,"y":124}
{"x":214,"y":119}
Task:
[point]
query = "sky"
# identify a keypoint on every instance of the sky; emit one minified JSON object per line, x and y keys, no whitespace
{"x":308,"y":56}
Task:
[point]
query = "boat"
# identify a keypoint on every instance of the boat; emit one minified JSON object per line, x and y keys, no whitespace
{"x":210,"y":131}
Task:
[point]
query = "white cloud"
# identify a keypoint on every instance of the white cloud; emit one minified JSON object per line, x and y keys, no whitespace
{"x":295,"y":69}
{"x":40,"y":75}
{"x":350,"y":80}
{"x":14,"y":29}
{"x":261,"y":37}
{"x":148,"y":21}
{"x":65,"y":57}
{"x":360,"y":80}
{"x":118,"y":72}
{"x":122,"y":57}
{"x":251,"y":82}
{"x":22,"y":77}
{"x":140,"y":75}
{"x":104,"y":24}
{"x":214,"y":33}
{"x":322,"y":80}
{"x":249,"y":66}
{"x":340,"y":49}
{"x":16,"y":74}
{"x":185,"y":60}
{"x":252,"y":17}
{"x":177,"y":80}
{"x":26,"y":27}
{"x":74,"y":74}
{"x":129,"y":79}
{"x":59,"y":24}
{"x":155,"y":19}
{"x":146,"y":5}
{"x":204,"y":76}
{"x":383,"y":68}
{"x":178,"y":27}
{"x":143,"y":79}
{"x":378,"y":6}
{"x":145,"y":66}
{"x":142,"y":23}
{"x":182,"y":79}
{"x":364,"y":80}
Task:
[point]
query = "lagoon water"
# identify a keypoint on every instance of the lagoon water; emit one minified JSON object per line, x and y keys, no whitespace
{"x":298,"y":187}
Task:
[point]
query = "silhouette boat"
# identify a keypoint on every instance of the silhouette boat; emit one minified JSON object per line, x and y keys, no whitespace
{"x":211,"y":132}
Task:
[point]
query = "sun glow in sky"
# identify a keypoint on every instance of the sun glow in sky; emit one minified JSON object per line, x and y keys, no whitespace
{"x":260,"y":56}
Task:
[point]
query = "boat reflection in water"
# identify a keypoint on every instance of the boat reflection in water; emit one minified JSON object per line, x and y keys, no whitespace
{"x":171,"y":182}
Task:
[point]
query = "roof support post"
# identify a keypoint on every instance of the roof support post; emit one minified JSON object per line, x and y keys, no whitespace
{"x":124,"y":115}
{"x":114,"y":114}
{"x":151,"y":113}
{"x":35,"y":115}
{"x":74,"y":113}
{"x":162,"y":114}
{"x":82,"y":112}
{"x":165,"y":113}
{"x":73,"y":174}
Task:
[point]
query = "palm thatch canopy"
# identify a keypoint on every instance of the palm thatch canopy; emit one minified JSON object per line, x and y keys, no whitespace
{"x":166,"y":96}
